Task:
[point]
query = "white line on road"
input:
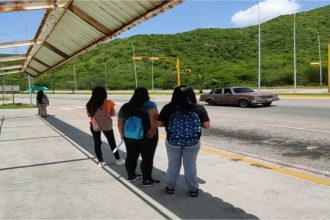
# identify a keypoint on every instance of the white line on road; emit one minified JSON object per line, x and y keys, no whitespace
{"x":305,"y":129}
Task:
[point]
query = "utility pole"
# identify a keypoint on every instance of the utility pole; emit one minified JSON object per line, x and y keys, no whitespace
{"x":259,"y":49}
{"x":320,"y":59}
{"x":329,"y":68}
{"x":74,"y":77}
{"x":294,"y":55}
{"x":135,"y":73}
{"x":30,"y":89}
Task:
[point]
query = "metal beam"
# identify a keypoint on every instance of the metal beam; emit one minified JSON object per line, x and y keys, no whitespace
{"x":17,"y":44}
{"x":11,"y":72}
{"x":10,"y":67}
{"x":55,"y":50}
{"x":13,"y":6}
{"x":89,"y":20}
{"x":42,"y":63}
{"x":12,"y":58}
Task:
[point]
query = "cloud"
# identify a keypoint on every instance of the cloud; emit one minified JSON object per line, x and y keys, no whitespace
{"x":268,"y":9}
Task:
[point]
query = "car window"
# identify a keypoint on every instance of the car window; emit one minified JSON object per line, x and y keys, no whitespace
{"x":242,"y":90}
{"x":217,"y":91}
{"x":227,"y":91}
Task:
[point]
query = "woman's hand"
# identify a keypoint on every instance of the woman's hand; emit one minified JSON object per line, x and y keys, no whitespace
{"x":151,"y":133}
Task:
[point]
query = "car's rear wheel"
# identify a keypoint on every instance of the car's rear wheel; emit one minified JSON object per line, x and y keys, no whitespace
{"x":243,"y":103}
{"x":267,"y":104}
{"x":210,"y":102}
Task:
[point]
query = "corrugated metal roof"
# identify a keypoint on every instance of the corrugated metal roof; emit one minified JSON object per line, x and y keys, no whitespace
{"x":71,"y":27}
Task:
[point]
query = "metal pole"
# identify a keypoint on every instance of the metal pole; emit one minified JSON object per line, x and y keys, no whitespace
{"x":3,"y":89}
{"x":320,"y":59}
{"x":135,"y":74}
{"x":74,"y":78}
{"x":294,"y":55}
{"x":3,"y":84}
{"x":30,"y":89}
{"x":152,"y":71}
{"x":105,"y":76}
{"x":328,"y":68}
{"x":178,"y":71}
{"x":259,"y":49}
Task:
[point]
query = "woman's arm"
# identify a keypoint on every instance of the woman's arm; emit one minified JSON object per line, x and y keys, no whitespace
{"x":206,"y":124}
{"x":153,"y":114}
{"x":120,"y":124}
{"x":160,"y":124}
{"x":113,"y":112}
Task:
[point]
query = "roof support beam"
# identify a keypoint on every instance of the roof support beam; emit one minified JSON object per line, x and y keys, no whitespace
{"x":42,"y":63}
{"x":11,"y":58}
{"x":21,"y":43}
{"x":55,"y":50}
{"x":30,"y":67}
{"x":89,"y":20}
{"x":13,"y":6}
{"x":11,"y":72}
{"x":10,"y":67}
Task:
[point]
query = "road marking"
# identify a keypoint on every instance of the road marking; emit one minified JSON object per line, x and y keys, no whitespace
{"x":305,"y":129}
{"x":235,"y":157}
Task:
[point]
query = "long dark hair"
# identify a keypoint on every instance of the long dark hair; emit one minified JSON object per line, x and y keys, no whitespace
{"x":40,"y":95}
{"x":99,"y":94}
{"x":183,"y":97}
{"x":137,"y":101}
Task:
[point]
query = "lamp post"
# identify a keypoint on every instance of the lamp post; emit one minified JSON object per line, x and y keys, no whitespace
{"x":319,"y":51}
{"x":152,"y":71}
{"x":74,"y":77}
{"x":30,"y":89}
{"x":320,"y":59}
{"x":259,"y":49}
{"x":135,"y":73}
{"x":294,"y":55}
{"x":105,"y":75}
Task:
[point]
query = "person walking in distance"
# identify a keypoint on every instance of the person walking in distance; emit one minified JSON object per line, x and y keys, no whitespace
{"x":100,"y":110}
{"x":42,"y":103}
{"x":137,"y":124}
{"x":183,"y":120}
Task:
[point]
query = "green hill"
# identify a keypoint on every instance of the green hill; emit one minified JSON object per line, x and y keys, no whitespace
{"x":216,"y":57}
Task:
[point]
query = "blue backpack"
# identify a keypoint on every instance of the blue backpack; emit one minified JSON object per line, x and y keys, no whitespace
{"x":135,"y":125}
{"x":184,"y":129}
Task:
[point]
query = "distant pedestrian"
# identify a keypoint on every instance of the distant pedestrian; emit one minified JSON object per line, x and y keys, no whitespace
{"x":42,"y":103}
{"x":137,"y":124}
{"x":100,"y":110}
{"x":183,"y":120}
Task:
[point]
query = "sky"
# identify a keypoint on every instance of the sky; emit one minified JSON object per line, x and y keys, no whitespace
{"x":187,"y":16}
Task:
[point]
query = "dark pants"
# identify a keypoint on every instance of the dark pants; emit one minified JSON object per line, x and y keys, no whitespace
{"x":98,"y":142}
{"x":146,"y":147}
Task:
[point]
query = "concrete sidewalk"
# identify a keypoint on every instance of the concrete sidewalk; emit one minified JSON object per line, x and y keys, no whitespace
{"x":48,"y":170}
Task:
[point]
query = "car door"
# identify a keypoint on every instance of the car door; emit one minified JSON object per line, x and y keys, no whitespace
{"x":217,"y":95}
{"x":228,"y":96}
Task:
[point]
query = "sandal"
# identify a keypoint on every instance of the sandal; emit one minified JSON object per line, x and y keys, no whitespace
{"x":193,"y":193}
{"x":169,"y":190}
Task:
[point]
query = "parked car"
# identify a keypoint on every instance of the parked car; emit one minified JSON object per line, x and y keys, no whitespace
{"x":243,"y":96}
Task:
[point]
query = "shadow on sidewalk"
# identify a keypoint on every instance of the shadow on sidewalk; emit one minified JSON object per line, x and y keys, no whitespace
{"x":205,"y":206}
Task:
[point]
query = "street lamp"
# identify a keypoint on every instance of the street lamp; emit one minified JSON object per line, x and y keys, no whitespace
{"x":319,"y":48}
{"x":259,"y":49}
{"x":105,"y":75}
{"x":294,"y":55}
{"x":133,"y":50}
{"x":74,"y":77}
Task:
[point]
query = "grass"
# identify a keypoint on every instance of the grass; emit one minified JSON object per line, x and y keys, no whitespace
{"x":15,"y":106}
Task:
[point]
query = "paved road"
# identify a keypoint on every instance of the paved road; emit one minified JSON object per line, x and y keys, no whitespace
{"x":293,"y":131}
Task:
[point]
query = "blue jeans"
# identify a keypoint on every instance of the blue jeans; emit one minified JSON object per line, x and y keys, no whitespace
{"x":187,"y":155}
